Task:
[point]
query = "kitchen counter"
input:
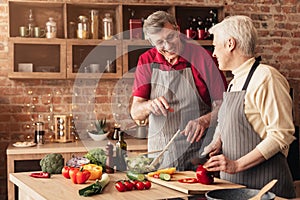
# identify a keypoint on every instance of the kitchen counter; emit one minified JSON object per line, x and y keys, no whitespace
{"x":78,"y":148}
{"x":58,"y":187}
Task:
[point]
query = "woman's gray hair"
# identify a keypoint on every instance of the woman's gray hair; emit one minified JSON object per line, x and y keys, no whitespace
{"x":156,"y":21}
{"x":239,"y":27}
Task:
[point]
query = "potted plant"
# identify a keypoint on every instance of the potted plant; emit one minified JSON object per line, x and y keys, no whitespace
{"x":101,"y":130}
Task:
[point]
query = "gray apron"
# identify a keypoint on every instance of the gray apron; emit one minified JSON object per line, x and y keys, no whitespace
{"x":178,"y":87}
{"x":239,"y":138}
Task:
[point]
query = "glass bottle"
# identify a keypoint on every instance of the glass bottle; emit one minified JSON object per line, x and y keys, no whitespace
{"x":107,"y":27}
{"x":83,"y":28}
{"x":39,"y":133}
{"x":121,"y":149}
{"x":94,"y":24}
{"x":51,"y":28}
{"x":31,"y":24}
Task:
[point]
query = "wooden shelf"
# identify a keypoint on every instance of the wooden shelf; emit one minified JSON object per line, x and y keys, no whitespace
{"x":64,"y":58}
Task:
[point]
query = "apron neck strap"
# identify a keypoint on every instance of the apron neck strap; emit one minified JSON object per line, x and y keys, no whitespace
{"x":253,"y":68}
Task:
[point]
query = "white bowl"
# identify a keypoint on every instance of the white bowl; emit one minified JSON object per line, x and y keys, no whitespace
{"x":98,"y":137}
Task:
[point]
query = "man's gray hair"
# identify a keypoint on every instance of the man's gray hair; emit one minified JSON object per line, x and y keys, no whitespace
{"x":156,"y":21}
{"x":239,"y":27}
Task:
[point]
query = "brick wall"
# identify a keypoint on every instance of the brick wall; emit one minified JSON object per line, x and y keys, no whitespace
{"x":20,"y":101}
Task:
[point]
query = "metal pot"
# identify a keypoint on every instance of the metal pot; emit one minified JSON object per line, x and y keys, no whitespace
{"x":141,"y":132}
{"x":240,"y":194}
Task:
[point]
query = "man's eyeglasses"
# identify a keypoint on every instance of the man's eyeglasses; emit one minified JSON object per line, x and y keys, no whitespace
{"x":169,"y":39}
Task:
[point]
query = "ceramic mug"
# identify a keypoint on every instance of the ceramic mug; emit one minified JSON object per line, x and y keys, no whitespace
{"x":24,"y":31}
{"x":39,"y":32}
{"x":201,"y":34}
{"x":190,"y":33}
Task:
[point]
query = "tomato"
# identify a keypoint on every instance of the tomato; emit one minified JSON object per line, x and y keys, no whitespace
{"x":139,"y":185}
{"x":120,"y":186}
{"x":203,"y":176}
{"x":65,"y":171}
{"x":129,"y":185}
{"x":79,"y":175}
{"x":147,"y":185}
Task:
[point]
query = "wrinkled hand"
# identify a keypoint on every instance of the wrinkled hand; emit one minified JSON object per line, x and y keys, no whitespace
{"x":221,"y":163}
{"x":159,"y":106}
{"x":194,"y":130}
{"x":215,"y":147}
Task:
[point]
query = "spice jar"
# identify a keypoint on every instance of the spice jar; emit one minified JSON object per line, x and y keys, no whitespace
{"x":39,"y":133}
{"x":83,"y":30}
{"x":51,"y":28}
{"x":107,"y":27}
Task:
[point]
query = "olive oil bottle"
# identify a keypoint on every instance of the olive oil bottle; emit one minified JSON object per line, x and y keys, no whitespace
{"x":121,"y":152}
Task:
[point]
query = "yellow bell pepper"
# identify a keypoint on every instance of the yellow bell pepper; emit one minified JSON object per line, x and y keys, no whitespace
{"x":170,"y":171}
{"x":96,"y":171}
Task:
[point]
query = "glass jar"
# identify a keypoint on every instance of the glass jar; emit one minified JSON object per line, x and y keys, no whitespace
{"x":39,"y":133}
{"x":94,"y":24}
{"x":51,"y":28}
{"x":107,"y":27}
{"x":83,"y":30}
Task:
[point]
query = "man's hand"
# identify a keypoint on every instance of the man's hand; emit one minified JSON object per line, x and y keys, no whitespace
{"x":159,"y":106}
{"x":194,"y":130}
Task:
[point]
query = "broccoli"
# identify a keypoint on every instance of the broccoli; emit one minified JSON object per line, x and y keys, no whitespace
{"x":52,"y":163}
{"x":96,"y":156}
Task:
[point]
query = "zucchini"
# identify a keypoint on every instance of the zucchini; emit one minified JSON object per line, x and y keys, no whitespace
{"x":95,"y":188}
{"x":135,"y":176}
{"x":164,"y":176}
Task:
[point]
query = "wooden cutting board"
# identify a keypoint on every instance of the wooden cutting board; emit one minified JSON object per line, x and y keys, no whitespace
{"x":194,"y":188}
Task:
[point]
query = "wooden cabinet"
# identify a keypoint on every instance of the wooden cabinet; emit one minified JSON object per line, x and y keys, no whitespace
{"x":67,"y":57}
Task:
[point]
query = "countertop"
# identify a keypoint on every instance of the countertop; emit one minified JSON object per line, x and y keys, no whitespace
{"x":58,"y":187}
{"x":77,"y":146}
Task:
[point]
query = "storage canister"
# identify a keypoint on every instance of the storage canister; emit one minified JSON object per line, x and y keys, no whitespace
{"x":83,"y":30}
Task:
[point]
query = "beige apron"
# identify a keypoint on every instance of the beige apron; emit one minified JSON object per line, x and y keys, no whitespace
{"x":239,"y":138}
{"x":178,"y":87}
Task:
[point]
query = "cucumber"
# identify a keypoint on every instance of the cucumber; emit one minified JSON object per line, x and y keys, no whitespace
{"x":164,"y":176}
{"x":135,"y":176}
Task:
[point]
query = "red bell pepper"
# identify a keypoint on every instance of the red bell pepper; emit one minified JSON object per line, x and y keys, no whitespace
{"x":204,"y":176}
{"x":79,"y":175}
{"x":40,"y":175}
{"x":188,"y":180}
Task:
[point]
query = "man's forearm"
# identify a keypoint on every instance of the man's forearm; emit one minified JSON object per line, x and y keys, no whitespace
{"x":140,"y":110}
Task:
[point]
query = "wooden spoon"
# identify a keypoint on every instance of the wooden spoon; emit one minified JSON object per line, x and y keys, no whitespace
{"x":265,"y":189}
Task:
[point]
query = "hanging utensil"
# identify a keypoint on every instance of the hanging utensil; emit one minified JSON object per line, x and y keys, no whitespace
{"x":156,"y":160}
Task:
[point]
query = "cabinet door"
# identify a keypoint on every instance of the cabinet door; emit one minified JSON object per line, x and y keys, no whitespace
{"x":93,"y":59}
{"x":37,"y":58}
{"x":131,"y":52}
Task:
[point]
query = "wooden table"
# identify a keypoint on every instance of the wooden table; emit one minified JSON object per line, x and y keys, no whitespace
{"x":77,"y":148}
{"x":60,"y":188}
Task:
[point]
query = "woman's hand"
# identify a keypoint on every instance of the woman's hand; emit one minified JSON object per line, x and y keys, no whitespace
{"x":194,"y":129}
{"x":221,"y":163}
{"x":215,"y":147}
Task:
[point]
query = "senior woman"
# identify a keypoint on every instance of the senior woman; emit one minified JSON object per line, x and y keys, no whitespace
{"x":255,"y":125}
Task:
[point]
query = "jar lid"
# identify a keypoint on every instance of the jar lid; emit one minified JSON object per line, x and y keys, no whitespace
{"x":39,"y":123}
{"x":82,"y":17}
